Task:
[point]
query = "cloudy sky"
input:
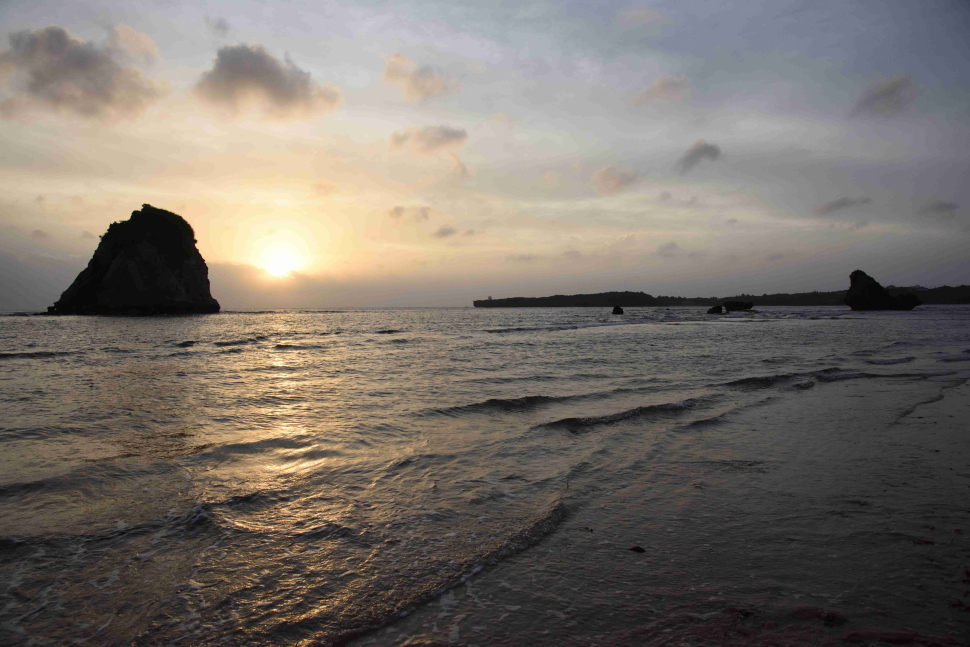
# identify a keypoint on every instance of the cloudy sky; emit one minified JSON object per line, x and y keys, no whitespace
{"x":432,"y":152}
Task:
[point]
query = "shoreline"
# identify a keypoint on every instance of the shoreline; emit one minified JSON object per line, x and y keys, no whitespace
{"x":674,"y":592}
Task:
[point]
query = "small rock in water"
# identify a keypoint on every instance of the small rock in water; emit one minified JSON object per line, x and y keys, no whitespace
{"x":617,"y":310}
{"x":637,"y":549}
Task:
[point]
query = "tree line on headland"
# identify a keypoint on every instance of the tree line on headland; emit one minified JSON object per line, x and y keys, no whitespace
{"x":941,"y":295}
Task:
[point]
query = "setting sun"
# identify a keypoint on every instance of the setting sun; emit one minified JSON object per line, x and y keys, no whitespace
{"x":280,"y":258}
{"x":279,"y":265}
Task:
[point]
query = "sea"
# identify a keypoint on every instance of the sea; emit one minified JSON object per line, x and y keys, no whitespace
{"x":486,"y":477}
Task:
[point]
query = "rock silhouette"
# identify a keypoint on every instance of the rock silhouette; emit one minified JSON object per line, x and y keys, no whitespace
{"x":617,"y":310}
{"x":715,"y":310}
{"x":731,"y":306}
{"x":865,"y":293}
{"x":146,"y":265}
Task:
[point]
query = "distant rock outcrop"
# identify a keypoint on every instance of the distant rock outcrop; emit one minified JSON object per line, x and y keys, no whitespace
{"x":146,"y":265}
{"x":715,"y":310}
{"x":865,"y":293}
{"x":732,"y":306}
{"x":617,"y":310}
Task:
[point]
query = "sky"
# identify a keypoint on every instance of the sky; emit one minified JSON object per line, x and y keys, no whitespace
{"x":431,"y":152}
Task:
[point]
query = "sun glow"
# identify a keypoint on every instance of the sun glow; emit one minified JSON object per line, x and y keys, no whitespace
{"x":279,"y":265}
{"x":281,"y":258}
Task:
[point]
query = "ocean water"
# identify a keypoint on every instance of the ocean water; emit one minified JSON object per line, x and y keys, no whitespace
{"x":317,"y":477}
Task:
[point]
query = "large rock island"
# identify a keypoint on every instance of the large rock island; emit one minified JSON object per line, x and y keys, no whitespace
{"x":865,"y":293}
{"x":146,"y":265}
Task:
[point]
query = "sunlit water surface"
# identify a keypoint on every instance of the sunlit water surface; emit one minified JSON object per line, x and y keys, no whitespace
{"x":276,"y":477}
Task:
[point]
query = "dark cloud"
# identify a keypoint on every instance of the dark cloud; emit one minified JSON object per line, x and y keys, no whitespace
{"x":469,"y":232}
{"x":87,"y":235}
{"x":219,"y":26}
{"x":839,"y":205}
{"x":39,"y":235}
{"x":669,"y":250}
{"x":413,"y":214}
{"x":700,"y":150}
{"x":665,"y":87}
{"x":572,"y":254}
{"x":245,"y":76}
{"x":445,"y":231}
{"x":417,"y":83}
{"x":523,"y":258}
{"x":663,"y":197}
{"x":886,"y":97}
{"x":429,"y":139}
{"x":940,"y":208}
{"x":50,"y":69}
{"x":611,"y":179}
{"x":731,"y":221}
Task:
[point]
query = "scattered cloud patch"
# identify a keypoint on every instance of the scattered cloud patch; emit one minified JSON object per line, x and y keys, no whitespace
{"x":665,"y":87}
{"x":699,"y":150}
{"x":133,"y":43}
{"x":611,"y":179}
{"x":51,"y":70}
{"x":669,"y":250}
{"x":523,"y":258}
{"x":418,"y":83}
{"x":324,"y":188}
{"x":640,"y":17}
{"x":551,"y":179}
{"x":248,"y":76}
{"x":87,"y":235}
{"x":445,"y":231}
{"x":469,"y":232}
{"x":664,"y":197}
{"x":774,"y":258}
{"x":219,"y":26}
{"x":429,"y":139}
{"x":400,"y":213}
{"x":461,"y":171}
{"x":39,"y":235}
{"x":940,"y":208}
{"x":839,"y":205}
{"x":730,"y":222}
{"x":886,"y":97}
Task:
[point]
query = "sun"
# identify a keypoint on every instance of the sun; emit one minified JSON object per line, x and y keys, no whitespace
{"x":280,"y":258}
{"x":279,"y":265}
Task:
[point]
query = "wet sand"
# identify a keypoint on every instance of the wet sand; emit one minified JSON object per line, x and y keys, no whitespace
{"x":840,"y":514}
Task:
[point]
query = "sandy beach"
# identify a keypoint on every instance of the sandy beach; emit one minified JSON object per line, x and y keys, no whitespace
{"x":837,"y":516}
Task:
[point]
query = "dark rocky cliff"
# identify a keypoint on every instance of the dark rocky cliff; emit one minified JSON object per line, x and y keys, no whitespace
{"x":146,"y":265}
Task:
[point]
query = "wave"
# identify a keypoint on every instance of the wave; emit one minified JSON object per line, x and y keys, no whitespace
{"x":762,"y":381}
{"x":582,"y":424}
{"x":37,"y":354}
{"x":502,"y":405}
{"x":890,"y":362}
{"x":240,"y":342}
{"x":298,"y":347}
{"x":388,"y":331}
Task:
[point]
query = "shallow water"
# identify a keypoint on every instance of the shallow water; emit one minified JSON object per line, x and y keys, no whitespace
{"x":273,"y":477}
